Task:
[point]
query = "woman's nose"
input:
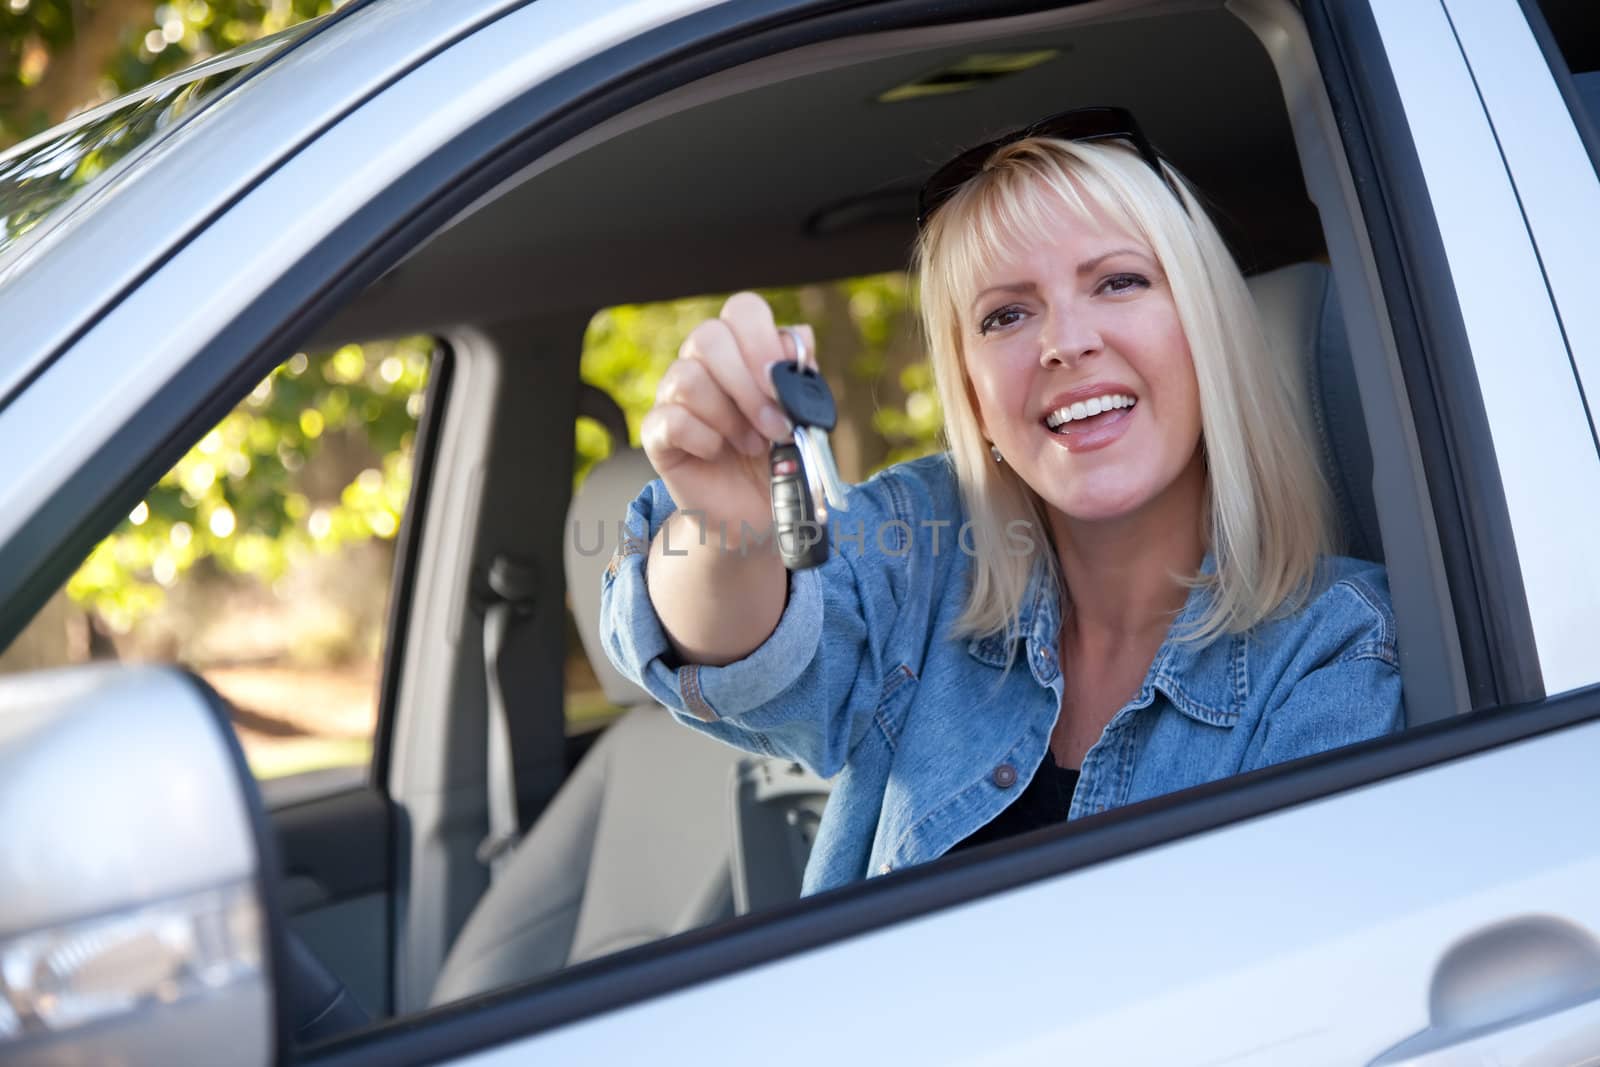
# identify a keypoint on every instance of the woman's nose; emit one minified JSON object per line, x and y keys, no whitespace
{"x":1069,"y":339}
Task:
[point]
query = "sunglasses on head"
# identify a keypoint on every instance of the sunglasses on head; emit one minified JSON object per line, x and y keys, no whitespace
{"x":1079,"y":124}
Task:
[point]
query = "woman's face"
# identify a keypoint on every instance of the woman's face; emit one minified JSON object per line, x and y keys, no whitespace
{"x":1081,"y":370}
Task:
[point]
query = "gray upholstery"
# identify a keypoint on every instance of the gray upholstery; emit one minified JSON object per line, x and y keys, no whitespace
{"x":635,"y":845}
{"x":1300,"y":315}
{"x":591,"y":536}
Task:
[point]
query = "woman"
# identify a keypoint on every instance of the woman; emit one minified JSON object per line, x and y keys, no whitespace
{"x":1129,"y":504}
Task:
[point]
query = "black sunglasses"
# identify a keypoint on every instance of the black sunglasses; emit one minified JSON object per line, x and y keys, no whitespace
{"x":1079,"y":124}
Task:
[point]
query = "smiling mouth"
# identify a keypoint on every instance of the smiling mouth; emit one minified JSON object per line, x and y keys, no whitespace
{"x":1086,"y":414}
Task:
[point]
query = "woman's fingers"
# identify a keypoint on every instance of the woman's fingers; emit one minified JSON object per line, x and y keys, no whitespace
{"x":760,"y":344}
{"x":669,"y":429}
{"x":715,"y":345}
{"x":720,"y":385}
{"x":690,"y":384}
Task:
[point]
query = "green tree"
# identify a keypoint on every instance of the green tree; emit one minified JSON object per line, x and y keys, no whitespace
{"x":252,"y":497}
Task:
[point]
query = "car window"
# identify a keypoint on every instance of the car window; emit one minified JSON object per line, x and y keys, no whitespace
{"x":262,"y":560}
{"x":867,"y":347}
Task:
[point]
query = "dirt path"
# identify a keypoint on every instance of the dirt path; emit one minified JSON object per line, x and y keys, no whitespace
{"x":291,"y":720}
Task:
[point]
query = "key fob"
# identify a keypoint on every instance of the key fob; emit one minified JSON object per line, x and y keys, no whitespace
{"x":802,"y":540}
{"x":804,"y":396}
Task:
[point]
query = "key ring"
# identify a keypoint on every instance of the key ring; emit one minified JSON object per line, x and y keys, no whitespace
{"x":802,"y":355}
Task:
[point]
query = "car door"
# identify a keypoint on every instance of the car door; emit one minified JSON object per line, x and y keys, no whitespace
{"x":1352,"y":907}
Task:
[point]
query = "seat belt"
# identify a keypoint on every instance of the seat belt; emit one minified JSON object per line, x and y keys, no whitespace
{"x":511,"y":598}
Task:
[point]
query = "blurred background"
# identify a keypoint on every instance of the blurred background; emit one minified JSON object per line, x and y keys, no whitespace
{"x":262,"y":561}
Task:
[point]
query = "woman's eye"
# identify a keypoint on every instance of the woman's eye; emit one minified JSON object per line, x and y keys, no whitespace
{"x":1122,"y":283}
{"x":999,"y":319}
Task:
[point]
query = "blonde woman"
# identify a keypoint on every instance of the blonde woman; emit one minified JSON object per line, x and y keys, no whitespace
{"x":1116,"y":583}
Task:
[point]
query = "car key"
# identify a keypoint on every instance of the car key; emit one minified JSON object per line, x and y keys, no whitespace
{"x":805,"y":470}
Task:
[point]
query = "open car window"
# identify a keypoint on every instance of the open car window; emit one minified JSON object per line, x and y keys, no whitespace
{"x":262,"y":560}
{"x":584,"y":232}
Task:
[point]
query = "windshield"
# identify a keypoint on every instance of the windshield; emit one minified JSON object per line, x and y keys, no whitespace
{"x":41,"y":176}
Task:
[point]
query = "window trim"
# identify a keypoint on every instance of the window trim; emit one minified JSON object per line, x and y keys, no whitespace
{"x":1543,"y":170}
{"x":1468,"y":499}
{"x":408,"y":541}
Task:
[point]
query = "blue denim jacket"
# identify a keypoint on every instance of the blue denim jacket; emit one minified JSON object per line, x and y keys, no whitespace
{"x":931,"y":737}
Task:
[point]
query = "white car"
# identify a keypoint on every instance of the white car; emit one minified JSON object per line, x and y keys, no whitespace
{"x":1412,"y":184}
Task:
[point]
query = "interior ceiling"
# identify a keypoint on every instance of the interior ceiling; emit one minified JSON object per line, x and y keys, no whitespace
{"x":719,"y":196}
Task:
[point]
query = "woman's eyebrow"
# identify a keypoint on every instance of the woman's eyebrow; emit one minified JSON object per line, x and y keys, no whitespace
{"x":1010,"y":287}
{"x":1089,"y":265}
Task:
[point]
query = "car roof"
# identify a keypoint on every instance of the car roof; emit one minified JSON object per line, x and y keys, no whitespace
{"x":785,"y":170}
{"x":792,"y":170}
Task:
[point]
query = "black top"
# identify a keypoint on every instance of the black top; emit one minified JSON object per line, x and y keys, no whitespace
{"x":1045,"y":802}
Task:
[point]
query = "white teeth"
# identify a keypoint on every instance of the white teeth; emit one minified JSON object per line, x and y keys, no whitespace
{"x":1087,"y":409}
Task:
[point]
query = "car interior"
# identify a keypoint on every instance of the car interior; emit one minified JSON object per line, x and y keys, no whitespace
{"x":795,"y":168}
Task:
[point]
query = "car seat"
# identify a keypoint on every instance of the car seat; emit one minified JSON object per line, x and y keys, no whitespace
{"x":1299,"y":310}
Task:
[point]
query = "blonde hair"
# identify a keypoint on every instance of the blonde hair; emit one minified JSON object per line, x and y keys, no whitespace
{"x":1268,"y":513}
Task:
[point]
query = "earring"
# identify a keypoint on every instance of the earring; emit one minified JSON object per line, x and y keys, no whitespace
{"x":995,"y":452}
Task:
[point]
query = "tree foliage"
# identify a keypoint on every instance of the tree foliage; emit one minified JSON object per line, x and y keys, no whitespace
{"x":247,"y":498}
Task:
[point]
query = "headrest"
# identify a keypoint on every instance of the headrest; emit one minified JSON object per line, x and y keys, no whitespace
{"x":591,"y":536}
{"x":1299,"y":311}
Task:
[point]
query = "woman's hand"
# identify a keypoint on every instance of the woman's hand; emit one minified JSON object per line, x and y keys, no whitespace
{"x":715,"y":416}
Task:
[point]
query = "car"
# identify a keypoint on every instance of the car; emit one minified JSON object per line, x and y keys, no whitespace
{"x":1413,"y":189}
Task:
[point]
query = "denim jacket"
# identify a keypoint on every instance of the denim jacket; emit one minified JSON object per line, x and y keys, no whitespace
{"x":928,"y":737}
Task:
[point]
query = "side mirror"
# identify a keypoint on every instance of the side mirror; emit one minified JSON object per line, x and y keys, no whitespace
{"x":134,"y":927}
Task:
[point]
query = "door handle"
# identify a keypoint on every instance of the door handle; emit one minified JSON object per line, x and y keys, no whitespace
{"x":1526,"y":991}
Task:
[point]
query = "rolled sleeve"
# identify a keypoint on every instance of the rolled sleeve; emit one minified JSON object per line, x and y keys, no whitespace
{"x":794,"y":694}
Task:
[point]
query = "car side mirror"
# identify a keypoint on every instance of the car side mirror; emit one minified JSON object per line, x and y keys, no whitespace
{"x":134,"y":926}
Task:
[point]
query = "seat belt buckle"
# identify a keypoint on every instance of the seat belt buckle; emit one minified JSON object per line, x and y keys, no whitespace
{"x":494,"y":847}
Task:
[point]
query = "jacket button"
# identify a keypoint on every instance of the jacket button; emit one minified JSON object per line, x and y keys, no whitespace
{"x":1005,"y":776}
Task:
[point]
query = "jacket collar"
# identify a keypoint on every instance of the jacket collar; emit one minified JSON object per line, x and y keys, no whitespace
{"x":1209,"y":683}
